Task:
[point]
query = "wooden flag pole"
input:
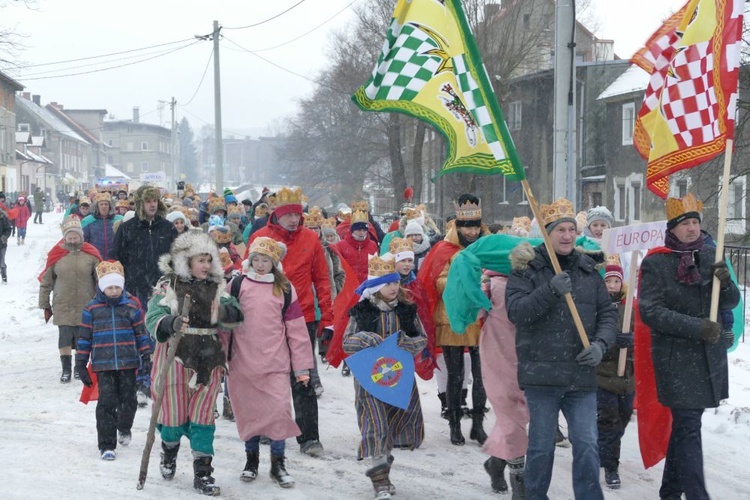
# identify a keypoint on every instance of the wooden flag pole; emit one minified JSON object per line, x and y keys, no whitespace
{"x":555,"y":263}
{"x":722,"y":225}
{"x":628,"y":309}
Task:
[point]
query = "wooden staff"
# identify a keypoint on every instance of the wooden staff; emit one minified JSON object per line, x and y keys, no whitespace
{"x":722,"y":224}
{"x":555,"y":263}
{"x":628,"y":309}
{"x":156,"y":407}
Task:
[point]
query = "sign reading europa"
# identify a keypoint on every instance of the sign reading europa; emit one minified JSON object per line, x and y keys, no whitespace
{"x":635,"y":237}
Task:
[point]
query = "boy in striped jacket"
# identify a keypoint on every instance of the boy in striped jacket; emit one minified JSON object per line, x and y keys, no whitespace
{"x":112,"y":333}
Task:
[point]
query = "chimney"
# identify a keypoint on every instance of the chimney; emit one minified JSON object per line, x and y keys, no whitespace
{"x":26,"y":95}
{"x":37,"y":99}
{"x":136,"y":114}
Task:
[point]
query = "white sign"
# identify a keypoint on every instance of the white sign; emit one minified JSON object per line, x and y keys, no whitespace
{"x":635,"y":237}
{"x":153,"y":176}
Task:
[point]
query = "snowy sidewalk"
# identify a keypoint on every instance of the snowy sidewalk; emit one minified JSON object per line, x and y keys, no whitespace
{"x":48,"y":438}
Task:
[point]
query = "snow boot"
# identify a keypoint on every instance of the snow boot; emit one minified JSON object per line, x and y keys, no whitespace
{"x":443,"y":405}
{"x":279,"y":473}
{"x":454,"y":421}
{"x":66,"y":361}
{"x":345,"y":371}
{"x":227,"y":412}
{"x":495,"y":467}
{"x":477,"y":430}
{"x":203,"y":482}
{"x":168,"y":464}
{"x":516,"y":468}
{"x":251,"y":468}
{"x":612,"y":478}
{"x":108,"y":455}
{"x":380,"y":481}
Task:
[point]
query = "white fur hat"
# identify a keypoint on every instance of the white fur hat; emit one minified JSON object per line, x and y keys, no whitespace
{"x":187,"y":245}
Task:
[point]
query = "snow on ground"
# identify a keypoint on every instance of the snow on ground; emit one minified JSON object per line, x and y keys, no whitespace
{"x":48,"y":439}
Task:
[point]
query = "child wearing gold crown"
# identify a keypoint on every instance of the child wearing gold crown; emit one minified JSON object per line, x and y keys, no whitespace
{"x":193,"y":380}
{"x":113,"y":335}
{"x":272,"y":343}
{"x":383,"y":310}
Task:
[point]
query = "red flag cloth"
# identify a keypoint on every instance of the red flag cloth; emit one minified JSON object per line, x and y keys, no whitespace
{"x":345,"y":300}
{"x":11,"y":213}
{"x":430,"y":269}
{"x":57,"y":252}
{"x":654,"y":419}
{"x":394,"y":225}
{"x":90,"y":393}
{"x":426,"y":361}
{"x":689,"y":106}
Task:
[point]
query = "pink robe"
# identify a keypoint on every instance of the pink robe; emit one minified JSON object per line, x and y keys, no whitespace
{"x":265,"y":350}
{"x":497,"y":347}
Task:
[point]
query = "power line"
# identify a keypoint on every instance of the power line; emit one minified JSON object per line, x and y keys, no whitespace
{"x":108,"y":55}
{"x":112,"y":67}
{"x":265,"y":20}
{"x":208,"y":63}
{"x":308,"y":32}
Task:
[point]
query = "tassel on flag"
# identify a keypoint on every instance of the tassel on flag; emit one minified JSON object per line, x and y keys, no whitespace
{"x":689,"y":108}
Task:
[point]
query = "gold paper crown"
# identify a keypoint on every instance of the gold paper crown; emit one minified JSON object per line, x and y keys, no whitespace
{"x":314,"y":218}
{"x":192,"y":214}
{"x":122,"y":204}
{"x":84,"y":201}
{"x":268,"y":247}
{"x":614,"y":260}
{"x":234,"y":209}
{"x":359,"y":216}
{"x":109,"y":267}
{"x":220,"y":234}
{"x":104,"y":197}
{"x":398,"y":245}
{"x":468,"y":211}
{"x":360,"y":206}
{"x":328,"y":223}
{"x":413,"y":213}
{"x":71,"y":223}
{"x":377,"y":267}
{"x":216,"y":203}
{"x":559,"y":209}
{"x":521,"y":224}
{"x":679,"y":206}
{"x":286,"y":196}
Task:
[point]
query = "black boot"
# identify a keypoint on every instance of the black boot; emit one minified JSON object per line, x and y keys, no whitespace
{"x":251,"y":468}
{"x":477,"y":430}
{"x":203,"y":482}
{"x":380,"y":481}
{"x":168,"y":465}
{"x":66,"y":361}
{"x":454,"y":421}
{"x":464,"y":405}
{"x":612,"y":478}
{"x":279,"y":473}
{"x":516,"y":469}
{"x":443,"y":405}
{"x":495,"y":467}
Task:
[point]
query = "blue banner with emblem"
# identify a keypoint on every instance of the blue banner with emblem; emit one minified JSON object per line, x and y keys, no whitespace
{"x":385,"y":371}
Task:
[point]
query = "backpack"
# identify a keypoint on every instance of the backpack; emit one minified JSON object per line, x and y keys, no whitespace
{"x":234,"y":290}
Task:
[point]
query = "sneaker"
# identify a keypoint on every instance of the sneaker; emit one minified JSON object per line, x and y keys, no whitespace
{"x":142,"y":398}
{"x":108,"y":455}
{"x":612,"y":478}
{"x":318,"y":388}
{"x":124,"y":438}
{"x":312,"y":448}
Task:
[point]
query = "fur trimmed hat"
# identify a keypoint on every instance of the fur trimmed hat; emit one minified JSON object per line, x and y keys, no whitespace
{"x":187,"y":245}
{"x":148,"y":193}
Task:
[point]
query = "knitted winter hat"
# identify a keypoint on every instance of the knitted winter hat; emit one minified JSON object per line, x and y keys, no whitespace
{"x":614,"y":271}
{"x":414,"y":227}
{"x":176,"y":214}
{"x":599,"y":213}
{"x":72,"y":224}
{"x":229,"y":196}
{"x":110,"y":273}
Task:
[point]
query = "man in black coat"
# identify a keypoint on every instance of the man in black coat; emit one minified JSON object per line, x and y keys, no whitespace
{"x":5,"y":230}
{"x":554,"y":369}
{"x":138,"y":244}
{"x":688,"y":349}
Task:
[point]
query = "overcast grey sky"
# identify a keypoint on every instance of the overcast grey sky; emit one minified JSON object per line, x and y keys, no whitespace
{"x":255,"y":93}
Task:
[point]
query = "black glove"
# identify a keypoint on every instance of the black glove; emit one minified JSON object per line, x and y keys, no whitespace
{"x":145,"y":364}
{"x":729,"y":337}
{"x":625,"y":340}
{"x":591,"y":356}
{"x":722,"y":273}
{"x":560,"y":284}
{"x":710,"y":331}
{"x":83,"y":373}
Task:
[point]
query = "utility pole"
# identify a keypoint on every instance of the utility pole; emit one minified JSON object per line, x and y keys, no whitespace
{"x":219,"y":153}
{"x":173,"y":151}
{"x":564,"y":167}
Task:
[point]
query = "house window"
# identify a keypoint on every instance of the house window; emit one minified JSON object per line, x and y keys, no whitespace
{"x":682,"y":188}
{"x":628,"y":123}
{"x":634,"y":195}
{"x":144,"y":166}
{"x":129,"y":146}
{"x":636,"y":201}
{"x":514,"y":115}
{"x":24,"y":127}
{"x":620,"y":197}
{"x":144,"y":146}
{"x":130,"y":167}
{"x":736,"y":202}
